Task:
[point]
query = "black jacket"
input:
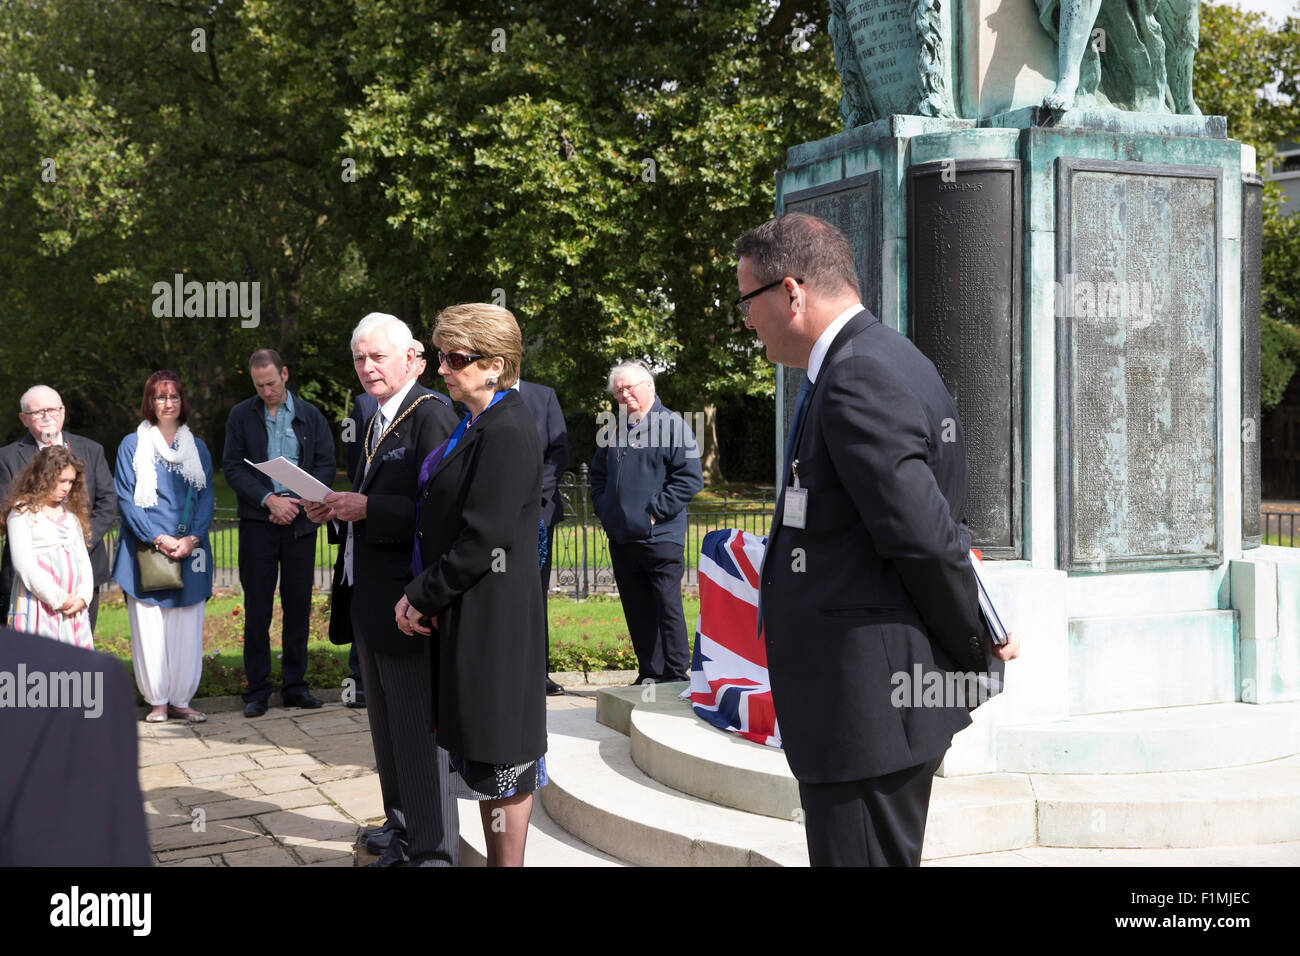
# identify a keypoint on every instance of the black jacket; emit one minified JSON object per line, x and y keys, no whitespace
{"x":650,"y":470}
{"x":383,"y":540}
{"x":878,"y":583}
{"x":478,"y":541}
{"x":246,"y":438}
{"x":69,"y":794}
{"x":554,"y":436}
{"x":16,"y":456}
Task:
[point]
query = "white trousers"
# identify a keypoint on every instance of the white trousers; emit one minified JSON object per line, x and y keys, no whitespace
{"x":166,"y":651}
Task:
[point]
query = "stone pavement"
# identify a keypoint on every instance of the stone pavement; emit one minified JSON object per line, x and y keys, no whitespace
{"x":292,"y":788}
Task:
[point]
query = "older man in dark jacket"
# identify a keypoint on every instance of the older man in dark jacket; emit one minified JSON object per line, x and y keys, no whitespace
{"x":645,"y":471}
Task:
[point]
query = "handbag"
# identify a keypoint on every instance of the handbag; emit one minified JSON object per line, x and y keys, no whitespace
{"x":158,"y":572}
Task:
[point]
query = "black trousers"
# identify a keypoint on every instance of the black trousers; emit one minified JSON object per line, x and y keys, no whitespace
{"x":413,"y":769}
{"x":266,"y":551}
{"x":879,"y":821}
{"x":649,"y":577}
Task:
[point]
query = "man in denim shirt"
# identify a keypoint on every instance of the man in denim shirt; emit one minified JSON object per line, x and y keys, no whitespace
{"x":645,"y":472}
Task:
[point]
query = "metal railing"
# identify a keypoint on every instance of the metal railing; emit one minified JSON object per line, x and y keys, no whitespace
{"x":1279,"y":526}
{"x":581,"y":564}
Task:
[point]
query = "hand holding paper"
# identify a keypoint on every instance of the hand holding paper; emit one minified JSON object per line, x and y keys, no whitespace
{"x":294,"y":478}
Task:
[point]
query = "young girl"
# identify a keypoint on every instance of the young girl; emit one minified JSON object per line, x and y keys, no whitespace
{"x":47,"y":519}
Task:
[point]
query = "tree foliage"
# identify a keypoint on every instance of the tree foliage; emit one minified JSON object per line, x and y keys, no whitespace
{"x":591,"y":161}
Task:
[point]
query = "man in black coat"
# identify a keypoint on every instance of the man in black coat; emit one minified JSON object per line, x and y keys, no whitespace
{"x":69,"y":794}
{"x":376,"y":533}
{"x":275,"y":536}
{"x":645,"y":472}
{"x":364,"y":406}
{"x":545,"y":410}
{"x":41,"y":411}
{"x":866,"y":575}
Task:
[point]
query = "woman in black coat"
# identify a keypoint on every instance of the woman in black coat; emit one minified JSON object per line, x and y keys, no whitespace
{"x":476,"y":578}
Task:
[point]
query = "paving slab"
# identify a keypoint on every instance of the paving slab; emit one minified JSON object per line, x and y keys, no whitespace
{"x":358,"y":797}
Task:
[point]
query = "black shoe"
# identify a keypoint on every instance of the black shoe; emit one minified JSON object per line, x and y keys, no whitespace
{"x":358,"y":702}
{"x":553,"y":689}
{"x":380,"y":839}
{"x":302,"y":698}
{"x":393,"y":856}
{"x":255,"y":708}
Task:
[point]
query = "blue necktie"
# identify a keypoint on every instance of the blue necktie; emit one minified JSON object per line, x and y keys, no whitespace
{"x":801,"y":403}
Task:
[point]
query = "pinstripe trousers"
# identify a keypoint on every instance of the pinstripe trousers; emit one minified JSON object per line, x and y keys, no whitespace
{"x":413,"y":769}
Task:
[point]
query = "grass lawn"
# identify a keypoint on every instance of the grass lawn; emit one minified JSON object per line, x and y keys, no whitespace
{"x":585,"y":636}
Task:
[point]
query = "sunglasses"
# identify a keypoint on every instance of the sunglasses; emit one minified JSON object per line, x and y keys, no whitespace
{"x":457,"y":360}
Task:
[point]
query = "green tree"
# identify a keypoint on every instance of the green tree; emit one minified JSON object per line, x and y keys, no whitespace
{"x":1247,"y":70}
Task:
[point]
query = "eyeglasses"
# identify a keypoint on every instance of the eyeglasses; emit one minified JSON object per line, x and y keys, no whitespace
{"x":456,"y":360}
{"x":742,"y":304}
{"x":167,"y":399}
{"x":40,"y":413}
{"x":628,"y":388}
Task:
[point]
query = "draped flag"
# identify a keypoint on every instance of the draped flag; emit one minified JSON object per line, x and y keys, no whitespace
{"x":729,"y":686}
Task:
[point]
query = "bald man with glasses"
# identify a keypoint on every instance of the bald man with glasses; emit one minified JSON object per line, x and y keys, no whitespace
{"x":41,"y":411}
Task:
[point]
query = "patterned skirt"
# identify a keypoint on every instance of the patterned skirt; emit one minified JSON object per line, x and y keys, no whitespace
{"x":28,"y":613}
{"x":475,"y":780}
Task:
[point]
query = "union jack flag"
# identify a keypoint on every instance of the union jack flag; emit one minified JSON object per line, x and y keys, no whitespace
{"x":729,"y":686}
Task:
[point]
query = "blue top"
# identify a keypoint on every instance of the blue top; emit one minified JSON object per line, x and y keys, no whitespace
{"x":145,"y":524}
{"x":281,"y":442}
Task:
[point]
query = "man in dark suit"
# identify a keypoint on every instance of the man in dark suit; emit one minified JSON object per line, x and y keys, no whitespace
{"x":69,"y":795}
{"x":545,"y":409}
{"x":41,"y":412}
{"x":866,"y":573}
{"x":276,"y":539}
{"x":363,"y":406}
{"x":376,"y":534}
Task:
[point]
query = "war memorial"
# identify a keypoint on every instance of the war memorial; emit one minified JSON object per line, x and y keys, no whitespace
{"x":1037,"y":201}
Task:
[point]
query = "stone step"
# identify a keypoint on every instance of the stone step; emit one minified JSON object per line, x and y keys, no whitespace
{"x":603,"y":797}
{"x":1259,"y":803}
{"x":975,"y":814}
{"x":548,"y":844}
{"x":1198,"y":737}
{"x":597,"y":794}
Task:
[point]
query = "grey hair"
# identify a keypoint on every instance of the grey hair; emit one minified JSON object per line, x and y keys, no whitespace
{"x":399,"y":333}
{"x":22,"y":399}
{"x":633,"y":368}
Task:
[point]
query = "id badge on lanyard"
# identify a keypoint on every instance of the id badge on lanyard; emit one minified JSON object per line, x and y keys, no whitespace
{"x":795,"y":513}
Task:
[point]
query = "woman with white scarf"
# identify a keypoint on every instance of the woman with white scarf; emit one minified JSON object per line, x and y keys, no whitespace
{"x":166,"y":501}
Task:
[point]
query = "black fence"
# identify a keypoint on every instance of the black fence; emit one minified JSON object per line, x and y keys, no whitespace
{"x":1279,"y":526}
{"x":581,"y":565}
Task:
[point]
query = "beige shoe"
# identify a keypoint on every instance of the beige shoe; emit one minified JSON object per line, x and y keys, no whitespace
{"x":157,"y":715}
{"x":188,"y":714}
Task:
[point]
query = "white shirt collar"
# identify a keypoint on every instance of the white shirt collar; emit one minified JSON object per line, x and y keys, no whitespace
{"x":823,"y":343}
{"x":58,"y":440}
{"x":390,"y":407}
